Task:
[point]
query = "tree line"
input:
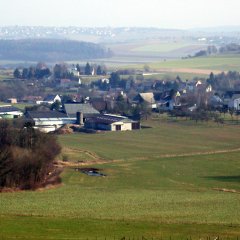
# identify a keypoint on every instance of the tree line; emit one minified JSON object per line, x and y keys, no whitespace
{"x":225,"y":81}
{"x":33,"y":72}
{"x":51,"y":50}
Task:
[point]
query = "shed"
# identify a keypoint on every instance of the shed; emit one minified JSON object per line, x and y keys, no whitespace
{"x":8,"y":111}
{"x":48,"y":121}
{"x":108,"y":122}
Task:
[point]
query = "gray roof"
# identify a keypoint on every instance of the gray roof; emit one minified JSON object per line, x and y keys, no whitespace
{"x":8,"y":109}
{"x":85,"y":108}
{"x":50,"y":97}
{"x":45,"y":114}
{"x":108,"y":119}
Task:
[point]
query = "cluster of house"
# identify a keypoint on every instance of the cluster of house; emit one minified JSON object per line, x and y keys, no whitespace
{"x":88,"y":114}
{"x":168,"y":100}
{"x":82,"y":114}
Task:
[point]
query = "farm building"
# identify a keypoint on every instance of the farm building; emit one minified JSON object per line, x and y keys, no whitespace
{"x":12,"y":100}
{"x":85,"y":109}
{"x":111,"y":123}
{"x":48,"y":121}
{"x":8,"y":111}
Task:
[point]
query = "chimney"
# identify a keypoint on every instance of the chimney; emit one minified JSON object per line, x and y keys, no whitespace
{"x":80,"y":118}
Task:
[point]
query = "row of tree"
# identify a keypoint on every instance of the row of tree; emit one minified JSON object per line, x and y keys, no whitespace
{"x":225,"y":81}
{"x":34,"y":72}
{"x":61,"y":70}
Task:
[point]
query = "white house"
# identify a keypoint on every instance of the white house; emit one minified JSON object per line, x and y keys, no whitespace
{"x":147,"y":98}
{"x":234,"y":102}
{"x":50,"y":99}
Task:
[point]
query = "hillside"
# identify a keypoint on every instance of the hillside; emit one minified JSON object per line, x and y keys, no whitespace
{"x":50,"y":50}
{"x":173,"y":180}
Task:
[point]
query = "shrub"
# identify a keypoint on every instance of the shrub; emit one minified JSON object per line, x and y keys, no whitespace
{"x":26,"y":156}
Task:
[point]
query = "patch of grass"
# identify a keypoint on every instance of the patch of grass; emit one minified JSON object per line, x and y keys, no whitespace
{"x":163,"y":138}
{"x":77,"y":155}
{"x":153,"y":188}
{"x":204,"y":64}
{"x":172,"y":75}
{"x":77,"y":228}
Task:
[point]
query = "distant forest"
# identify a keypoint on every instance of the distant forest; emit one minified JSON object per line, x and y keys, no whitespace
{"x":50,"y":50}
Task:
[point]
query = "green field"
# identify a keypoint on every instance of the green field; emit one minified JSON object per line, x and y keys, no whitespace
{"x":185,"y":68}
{"x":156,"y":47}
{"x":222,"y":63}
{"x":161,"y":47}
{"x":169,"y":181}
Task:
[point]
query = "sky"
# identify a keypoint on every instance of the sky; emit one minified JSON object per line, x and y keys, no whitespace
{"x":178,"y":14}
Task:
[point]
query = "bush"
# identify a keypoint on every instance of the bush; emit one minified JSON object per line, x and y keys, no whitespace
{"x":26,"y":156}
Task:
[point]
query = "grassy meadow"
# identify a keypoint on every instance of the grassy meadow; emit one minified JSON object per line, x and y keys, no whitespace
{"x":177,"y":180}
{"x":200,"y":65}
{"x":221,"y":63}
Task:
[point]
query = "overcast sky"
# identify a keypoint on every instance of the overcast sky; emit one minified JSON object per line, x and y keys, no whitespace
{"x":101,"y":13}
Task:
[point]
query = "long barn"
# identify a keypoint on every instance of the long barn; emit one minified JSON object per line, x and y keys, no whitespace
{"x":108,"y":122}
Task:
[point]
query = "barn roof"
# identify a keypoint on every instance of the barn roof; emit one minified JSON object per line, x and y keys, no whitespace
{"x":46,"y":114}
{"x":50,"y":97}
{"x":85,"y":108}
{"x":4,"y":109}
{"x":108,"y":119}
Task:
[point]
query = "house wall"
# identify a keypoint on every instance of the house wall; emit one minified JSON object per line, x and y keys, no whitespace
{"x":46,"y":129}
{"x":48,"y":125}
{"x":52,"y":122}
{"x":124,"y":126}
{"x":57,"y":98}
{"x":97,"y":126}
{"x":104,"y":127}
{"x":234,"y":104}
{"x":16,"y":113}
{"x":237,"y":104}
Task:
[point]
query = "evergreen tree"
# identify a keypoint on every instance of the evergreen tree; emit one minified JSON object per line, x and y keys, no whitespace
{"x":25,"y":73}
{"x":31,"y":73}
{"x":17,"y":73}
{"x":78,"y":68}
{"x":99,"y":70}
{"x":115,"y":79}
{"x":88,"y":69}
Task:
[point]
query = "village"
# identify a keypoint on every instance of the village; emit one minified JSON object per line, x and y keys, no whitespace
{"x":114,"y":101}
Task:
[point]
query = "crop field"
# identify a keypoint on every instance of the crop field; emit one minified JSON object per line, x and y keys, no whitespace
{"x":190,"y":67}
{"x":156,"y":48}
{"x":173,"y":180}
{"x":164,"y":47}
